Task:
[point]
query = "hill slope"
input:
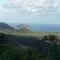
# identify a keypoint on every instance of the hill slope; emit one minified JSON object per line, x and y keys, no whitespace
{"x":5,"y":27}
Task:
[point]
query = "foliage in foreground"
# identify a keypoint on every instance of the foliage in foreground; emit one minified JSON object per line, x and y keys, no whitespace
{"x":46,"y":49}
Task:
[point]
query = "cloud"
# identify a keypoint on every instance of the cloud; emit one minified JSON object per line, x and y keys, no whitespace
{"x":27,"y":10}
{"x":17,"y":7}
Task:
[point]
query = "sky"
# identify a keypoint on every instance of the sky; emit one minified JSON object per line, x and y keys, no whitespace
{"x":30,"y":11}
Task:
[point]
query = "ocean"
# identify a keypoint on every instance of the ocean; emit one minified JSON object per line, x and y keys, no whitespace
{"x":40,"y":27}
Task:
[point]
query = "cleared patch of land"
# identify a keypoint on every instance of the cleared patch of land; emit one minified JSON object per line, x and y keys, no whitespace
{"x":33,"y":34}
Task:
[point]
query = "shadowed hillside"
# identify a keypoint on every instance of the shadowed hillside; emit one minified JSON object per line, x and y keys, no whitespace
{"x":4,"y":26}
{"x":39,"y":49}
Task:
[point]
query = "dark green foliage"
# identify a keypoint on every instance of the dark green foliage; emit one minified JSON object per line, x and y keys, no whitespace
{"x":51,"y":38}
{"x":49,"y":47}
{"x":2,"y":38}
{"x":12,"y":52}
{"x":44,"y":49}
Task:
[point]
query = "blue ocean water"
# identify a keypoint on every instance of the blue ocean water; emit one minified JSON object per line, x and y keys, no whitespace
{"x":41,"y":27}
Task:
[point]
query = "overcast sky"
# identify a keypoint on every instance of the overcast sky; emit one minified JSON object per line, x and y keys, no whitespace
{"x":30,"y":11}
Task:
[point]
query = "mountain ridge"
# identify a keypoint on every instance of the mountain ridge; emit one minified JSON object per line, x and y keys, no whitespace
{"x":5,"y":26}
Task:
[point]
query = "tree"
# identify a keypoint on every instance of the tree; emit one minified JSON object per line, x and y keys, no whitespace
{"x":52,"y":43}
{"x":48,"y":46}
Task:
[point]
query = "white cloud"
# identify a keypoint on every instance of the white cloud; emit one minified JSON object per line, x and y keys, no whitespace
{"x":15,"y":1}
{"x":15,"y":10}
{"x":32,"y":6}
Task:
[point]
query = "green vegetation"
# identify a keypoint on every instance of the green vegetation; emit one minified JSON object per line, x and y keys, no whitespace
{"x":46,"y":48}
